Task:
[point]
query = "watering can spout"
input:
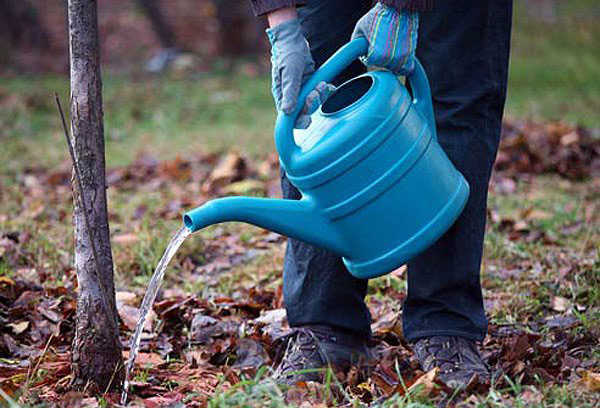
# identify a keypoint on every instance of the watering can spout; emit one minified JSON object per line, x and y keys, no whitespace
{"x":296,"y":219}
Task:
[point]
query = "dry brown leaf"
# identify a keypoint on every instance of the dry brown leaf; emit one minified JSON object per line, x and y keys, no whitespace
{"x":521,"y":226}
{"x":400,"y":272}
{"x":532,"y":396}
{"x":127,"y":298}
{"x":560,"y":304}
{"x":391,"y":322}
{"x":231,"y":168}
{"x":145,"y":360}
{"x":130,"y":316}
{"x":590,"y":380}
{"x":569,"y":138}
{"x":19,"y":327}
{"x":426,"y":386}
{"x":270,"y":317}
{"x":125,"y":239}
{"x":4,"y":280}
{"x":535,"y":214}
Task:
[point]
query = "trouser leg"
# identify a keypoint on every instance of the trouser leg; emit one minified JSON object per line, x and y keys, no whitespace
{"x":464,"y":47}
{"x":317,"y":288}
{"x":161,"y":27}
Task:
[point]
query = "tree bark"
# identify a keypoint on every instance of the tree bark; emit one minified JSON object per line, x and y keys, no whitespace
{"x":97,"y":352}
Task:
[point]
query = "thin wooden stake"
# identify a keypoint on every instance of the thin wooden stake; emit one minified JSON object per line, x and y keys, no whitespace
{"x":82,"y":203}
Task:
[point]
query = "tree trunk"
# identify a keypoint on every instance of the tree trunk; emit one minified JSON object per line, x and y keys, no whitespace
{"x":97,"y":351}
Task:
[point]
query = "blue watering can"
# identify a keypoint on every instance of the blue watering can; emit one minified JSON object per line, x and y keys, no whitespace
{"x":377,"y":188}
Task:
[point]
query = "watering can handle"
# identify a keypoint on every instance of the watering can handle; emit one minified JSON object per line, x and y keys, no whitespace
{"x":335,"y":65}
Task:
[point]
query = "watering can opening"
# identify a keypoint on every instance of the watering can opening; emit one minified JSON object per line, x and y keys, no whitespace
{"x":188,"y":222}
{"x":348,"y":94}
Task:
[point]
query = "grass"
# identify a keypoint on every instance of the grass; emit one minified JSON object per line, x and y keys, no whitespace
{"x":260,"y":391}
{"x":555,"y":62}
{"x":537,"y":265}
{"x":158,"y":116}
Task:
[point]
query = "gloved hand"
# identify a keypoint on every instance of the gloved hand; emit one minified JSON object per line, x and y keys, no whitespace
{"x":392,"y":36}
{"x":292,"y":66}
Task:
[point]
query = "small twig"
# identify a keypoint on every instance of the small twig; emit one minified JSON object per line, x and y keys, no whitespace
{"x":112,"y":377}
{"x":31,"y":374}
{"x":80,"y":197}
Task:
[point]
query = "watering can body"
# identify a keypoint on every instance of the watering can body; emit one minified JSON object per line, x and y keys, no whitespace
{"x":377,"y":187}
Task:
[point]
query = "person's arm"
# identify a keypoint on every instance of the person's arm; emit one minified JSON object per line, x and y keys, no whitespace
{"x":264,"y":7}
{"x":281,"y":15}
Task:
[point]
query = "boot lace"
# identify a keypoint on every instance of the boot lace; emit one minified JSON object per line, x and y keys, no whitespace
{"x":298,"y":350}
{"x":449,"y":354}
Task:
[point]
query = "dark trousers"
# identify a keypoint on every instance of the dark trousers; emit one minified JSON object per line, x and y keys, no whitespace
{"x":464,"y":47}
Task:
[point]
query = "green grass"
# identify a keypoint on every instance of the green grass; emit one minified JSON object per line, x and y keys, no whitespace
{"x":555,"y":66}
{"x":159,"y":116}
{"x":559,"y":204}
{"x":261,"y":391}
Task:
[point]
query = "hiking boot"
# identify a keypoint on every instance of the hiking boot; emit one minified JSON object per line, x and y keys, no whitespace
{"x":458,"y":359}
{"x":306,"y":352}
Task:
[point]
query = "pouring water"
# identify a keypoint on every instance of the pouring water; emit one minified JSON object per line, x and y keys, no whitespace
{"x":149,"y":298}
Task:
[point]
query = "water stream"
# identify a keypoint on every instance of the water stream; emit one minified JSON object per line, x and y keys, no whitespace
{"x":149,"y":298}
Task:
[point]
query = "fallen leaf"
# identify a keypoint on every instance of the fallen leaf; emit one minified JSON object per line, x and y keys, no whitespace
{"x":532,"y":396}
{"x":250,"y":354}
{"x":145,"y":360}
{"x":204,"y":328}
{"x":160,"y":401}
{"x":591,"y":381}
{"x":572,"y":228}
{"x":127,"y":298}
{"x":231,"y":168}
{"x":269,"y":317}
{"x":89,"y":402}
{"x":400,"y":272}
{"x":125,"y":239}
{"x":535,"y":214}
{"x":19,"y":327}
{"x":569,"y":138}
{"x":561,"y":322}
{"x":130,"y":316}
{"x":426,"y":386}
{"x":389,"y":323}
{"x":560,"y":304}
{"x":517,"y":348}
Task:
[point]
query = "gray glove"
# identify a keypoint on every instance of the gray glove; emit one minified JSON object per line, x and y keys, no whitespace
{"x":292,"y":66}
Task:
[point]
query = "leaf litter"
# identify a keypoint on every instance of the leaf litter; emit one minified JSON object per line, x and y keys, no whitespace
{"x":199,"y":344}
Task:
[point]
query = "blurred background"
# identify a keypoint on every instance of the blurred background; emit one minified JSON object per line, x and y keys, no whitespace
{"x":178,"y":78}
